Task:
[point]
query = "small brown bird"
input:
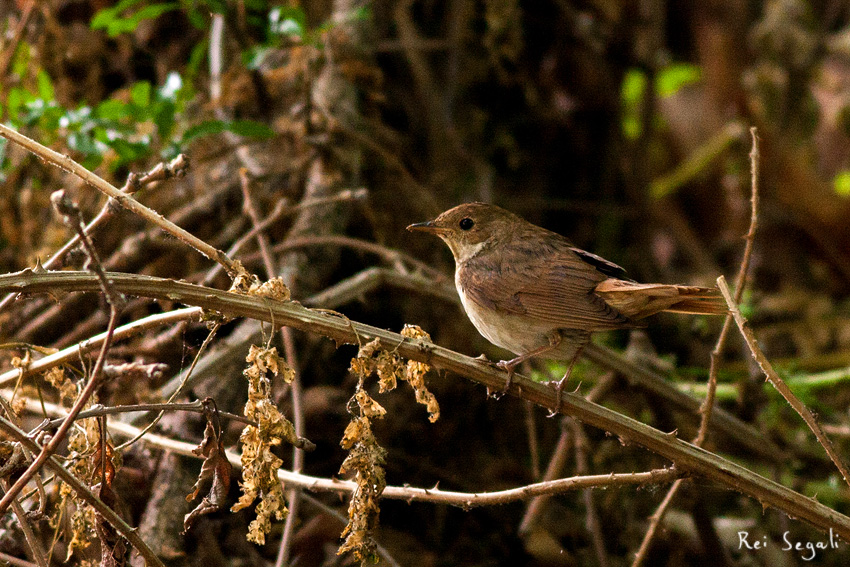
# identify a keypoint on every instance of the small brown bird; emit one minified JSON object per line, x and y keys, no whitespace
{"x":530,"y":291}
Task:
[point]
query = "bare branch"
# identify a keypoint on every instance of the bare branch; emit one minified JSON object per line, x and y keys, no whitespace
{"x":123,"y":199}
{"x":339,"y":328}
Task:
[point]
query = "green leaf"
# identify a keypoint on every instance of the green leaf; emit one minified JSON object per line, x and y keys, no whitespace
{"x":290,"y":22}
{"x":83,"y":143}
{"x":196,"y":59}
{"x":92,"y":161}
{"x":204,"y":129}
{"x":149,"y":13}
{"x":104,"y":18}
{"x":129,"y":151}
{"x":218,"y":6}
{"x":631,"y":93}
{"x":51,"y":116}
{"x":841,"y":183}
{"x":112,"y":109}
{"x":15,"y":101}
{"x":45,"y":86}
{"x":140,"y":94}
{"x":247,"y":128}
{"x":670,"y":79}
{"x":634,"y":85}
{"x":21,"y":60}
{"x":77,"y":118}
{"x":250,"y":129}
{"x":199,"y":19}
{"x":363,"y":13}
{"x":254,"y":56}
{"x":115,"y":24}
{"x":35,"y":109}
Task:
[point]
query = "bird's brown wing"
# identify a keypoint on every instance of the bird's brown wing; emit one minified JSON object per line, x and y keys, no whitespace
{"x":607,"y":267}
{"x":551,"y":284}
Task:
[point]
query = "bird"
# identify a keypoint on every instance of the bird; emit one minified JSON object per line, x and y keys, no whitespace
{"x":532,"y":292}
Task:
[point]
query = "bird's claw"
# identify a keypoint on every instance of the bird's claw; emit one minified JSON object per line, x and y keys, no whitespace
{"x":559,"y":393}
{"x":510,"y":369}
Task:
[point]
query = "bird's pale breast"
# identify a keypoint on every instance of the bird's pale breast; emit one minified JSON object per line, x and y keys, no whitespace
{"x":515,"y":333}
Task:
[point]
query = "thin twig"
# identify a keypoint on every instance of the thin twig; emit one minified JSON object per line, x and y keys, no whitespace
{"x":75,"y":351}
{"x":85,"y":494}
{"x":388,"y":254}
{"x":59,"y":436}
{"x":740,"y":286}
{"x":71,"y":215}
{"x":707,"y":406}
{"x":654,"y":522}
{"x":10,"y":48}
{"x":698,"y":160}
{"x":559,"y":456}
{"x":193,"y":407}
{"x":66,"y":163}
{"x":293,"y":496}
{"x":175,"y":168}
{"x":356,"y":286}
{"x":298,"y":421}
{"x":533,"y":440}
{"x":27,"y":529}
{"x":176,"y":392}
{"x":553,"y":470}
{"x":594,"y":528}
{"x":780,"y":385}
{"x":281,"y":210}
{"x":13,"y":561}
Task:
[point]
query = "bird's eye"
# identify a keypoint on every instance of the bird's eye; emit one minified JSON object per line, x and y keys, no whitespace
{"x":466,"y":223}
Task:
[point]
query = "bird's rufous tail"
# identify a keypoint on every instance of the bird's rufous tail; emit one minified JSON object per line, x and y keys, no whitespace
{"x":636,"y":300}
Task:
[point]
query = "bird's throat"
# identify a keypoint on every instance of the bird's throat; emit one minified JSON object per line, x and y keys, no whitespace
{"x":464,"y":252}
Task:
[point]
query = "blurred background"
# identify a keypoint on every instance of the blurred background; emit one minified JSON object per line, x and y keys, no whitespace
{"x":623,"y":125}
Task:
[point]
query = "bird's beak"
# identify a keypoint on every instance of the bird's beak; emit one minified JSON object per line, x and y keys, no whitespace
{"x":427,"y":226}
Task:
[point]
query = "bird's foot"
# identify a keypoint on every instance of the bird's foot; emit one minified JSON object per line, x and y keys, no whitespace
{"x":559,"y":391}
{"x":508,"y":366}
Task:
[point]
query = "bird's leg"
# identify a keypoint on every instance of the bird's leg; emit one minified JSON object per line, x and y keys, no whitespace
{"x":559,"y":389}
{"x":510,"y":365}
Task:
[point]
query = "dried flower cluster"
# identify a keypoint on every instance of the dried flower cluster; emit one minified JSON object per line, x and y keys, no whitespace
{"x":365,"y":460}
{"x":259,"y":463}
{"x":366,"y":457}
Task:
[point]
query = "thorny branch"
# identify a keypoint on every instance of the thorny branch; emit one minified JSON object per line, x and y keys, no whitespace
{"x":686,"y":456}
{"x":72,"y":216}
{"x":777,"y":382}
{"x":707,"y":406}
{"x":123,"y":199}
{"x":84,"y":493}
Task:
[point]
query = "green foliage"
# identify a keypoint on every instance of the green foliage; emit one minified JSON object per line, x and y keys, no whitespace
{"x":133,"y":127}
{"x":288,"y":22}
{"x":288,"y":25}
{"x":145,"y":120}
{"x":247,"y":128}
{"x":631,"y":94}
{"x":112,"y":20}
{"x":668,"y":81}
{"x":841,"y":183}
{"x":672,"y":78}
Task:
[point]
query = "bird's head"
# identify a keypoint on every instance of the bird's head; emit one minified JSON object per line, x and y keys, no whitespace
{"x":470,"y":228}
